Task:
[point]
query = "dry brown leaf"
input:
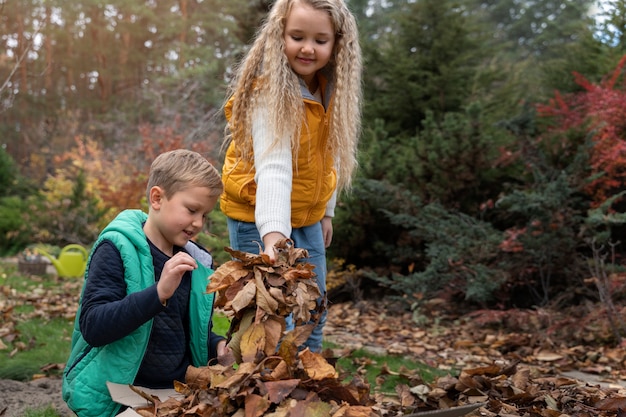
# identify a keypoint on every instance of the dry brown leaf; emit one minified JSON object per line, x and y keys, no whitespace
{"x":243,"y":372}
{"x":548,"y":356}
{"x":274,"y":328}
{"x":224,"y":276}
{"x":611,"y":404}
{"x":198,"y":378}
{"x":229,"y":294}
{"x":253,"y":343}
{"x":281,"y":371}
{"x":277,"y":391}
{"x":245,"y":297}
{"x":404,"y":394}
{"x":238,"y":329}
{"x":315,"y":366}
{"x":183,"y":388}
{"x":255,"y":405}
{"x":359,"y":411}
{"x":311,"y":407}
{"x":520,"y":379}
{"x":490,"y":370}
{"x":263,"y":298}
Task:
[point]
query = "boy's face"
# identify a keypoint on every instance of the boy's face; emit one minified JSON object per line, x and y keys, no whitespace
{"x":176,"y":220}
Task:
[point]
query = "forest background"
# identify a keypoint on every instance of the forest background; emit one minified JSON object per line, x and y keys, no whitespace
{"x":492,"y":156}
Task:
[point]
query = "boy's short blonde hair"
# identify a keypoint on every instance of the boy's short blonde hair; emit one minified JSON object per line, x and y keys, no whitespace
{"x":180,"y":169}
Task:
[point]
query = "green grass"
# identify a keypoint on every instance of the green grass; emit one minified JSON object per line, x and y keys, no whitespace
{"x":10,"y":277}
{"x":41,"y":412}
{"x":43,"y":342}
{"x":384,"y":372}
{"x":31,"y":338}
{"x":220,"y":324}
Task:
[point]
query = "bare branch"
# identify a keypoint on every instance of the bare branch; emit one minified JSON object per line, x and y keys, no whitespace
{"x":20,"y":59}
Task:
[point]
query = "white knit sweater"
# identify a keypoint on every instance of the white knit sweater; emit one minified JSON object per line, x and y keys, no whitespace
{"x":273,"y":177}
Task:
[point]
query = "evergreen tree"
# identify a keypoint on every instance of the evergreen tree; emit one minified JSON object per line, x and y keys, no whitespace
{"x":538,"y":44}
{"x":7,"y":173}
{"x":425,"y":60}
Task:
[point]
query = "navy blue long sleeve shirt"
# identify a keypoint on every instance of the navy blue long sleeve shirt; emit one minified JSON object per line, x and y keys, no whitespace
{"x":109,"y":314}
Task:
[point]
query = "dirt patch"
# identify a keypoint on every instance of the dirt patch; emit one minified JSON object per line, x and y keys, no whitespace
{"x":16,"y":397}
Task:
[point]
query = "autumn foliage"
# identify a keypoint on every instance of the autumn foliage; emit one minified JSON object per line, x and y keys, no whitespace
{"x":91,"y":184}
{"x":118,"y":176}
{"x":600,"y":111}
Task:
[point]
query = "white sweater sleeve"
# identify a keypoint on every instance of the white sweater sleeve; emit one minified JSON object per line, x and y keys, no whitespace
{"x":274,"y":175}
{"x":330,"y":206}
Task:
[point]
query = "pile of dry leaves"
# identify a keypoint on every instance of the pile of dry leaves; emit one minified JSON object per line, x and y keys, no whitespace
{"x":272,"y":376}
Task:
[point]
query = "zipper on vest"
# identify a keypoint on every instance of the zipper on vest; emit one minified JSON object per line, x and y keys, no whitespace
{"x":79,"y":359}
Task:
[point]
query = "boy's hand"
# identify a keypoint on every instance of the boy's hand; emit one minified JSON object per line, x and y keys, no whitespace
{"x":173,"y":271}
{"x":225,"y":356}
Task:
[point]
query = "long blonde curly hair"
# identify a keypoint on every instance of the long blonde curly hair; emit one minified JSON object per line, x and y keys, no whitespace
{"x":264,"y":76}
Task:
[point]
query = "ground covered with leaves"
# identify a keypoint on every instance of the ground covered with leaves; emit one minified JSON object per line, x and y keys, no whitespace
{"x":535,"y":363}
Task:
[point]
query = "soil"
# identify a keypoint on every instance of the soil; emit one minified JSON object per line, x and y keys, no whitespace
{"x":16,"y":397}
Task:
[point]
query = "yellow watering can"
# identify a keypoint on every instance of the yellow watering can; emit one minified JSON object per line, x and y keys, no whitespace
{"x":71,"y":262}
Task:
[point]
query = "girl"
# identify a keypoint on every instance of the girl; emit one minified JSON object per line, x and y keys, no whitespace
{"x":294,"y":119}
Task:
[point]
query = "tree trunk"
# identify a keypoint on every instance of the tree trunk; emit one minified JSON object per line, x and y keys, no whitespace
{"x":183,"y":32}
{"x":48,"y":51}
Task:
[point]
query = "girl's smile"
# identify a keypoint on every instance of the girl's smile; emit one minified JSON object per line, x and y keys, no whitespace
{"x":309,"y":40}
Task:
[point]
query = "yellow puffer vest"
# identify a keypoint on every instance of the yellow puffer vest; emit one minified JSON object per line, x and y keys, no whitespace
{"x":314,"y":175}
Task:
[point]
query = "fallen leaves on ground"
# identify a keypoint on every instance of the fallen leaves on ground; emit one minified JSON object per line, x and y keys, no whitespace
{"x":47,"y":301}
{"x":517,"y":361}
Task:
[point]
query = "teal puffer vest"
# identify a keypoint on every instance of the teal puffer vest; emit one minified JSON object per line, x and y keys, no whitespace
{"x":89,"y":368}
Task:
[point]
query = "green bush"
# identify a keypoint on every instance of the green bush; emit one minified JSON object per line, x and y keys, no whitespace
{"x":459,"y":258}
{"x":8,"y":168}
{"x":215,"y":238}
{"x":366,"y":237}
{"x":442,"y":214}
{"x":70,"y":218}
{"x":14,"y":233}
{"x":448,"y":162}
{"x":544,"y":249}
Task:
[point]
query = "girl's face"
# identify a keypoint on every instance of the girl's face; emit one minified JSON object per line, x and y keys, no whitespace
{"x":309,"y":40}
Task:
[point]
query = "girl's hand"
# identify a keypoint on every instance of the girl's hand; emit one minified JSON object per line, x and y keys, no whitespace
{"x":327,"y":230}
{"x":269,"y":240}
{"x":173,"y":271}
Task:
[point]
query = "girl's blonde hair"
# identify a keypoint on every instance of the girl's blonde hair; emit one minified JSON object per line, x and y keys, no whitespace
{"x":265,"y":77}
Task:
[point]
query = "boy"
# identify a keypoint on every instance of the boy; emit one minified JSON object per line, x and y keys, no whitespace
{"x":144,"y":315}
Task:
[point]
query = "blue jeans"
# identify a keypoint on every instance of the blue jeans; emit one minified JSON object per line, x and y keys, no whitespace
{"x":245,"y":237}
